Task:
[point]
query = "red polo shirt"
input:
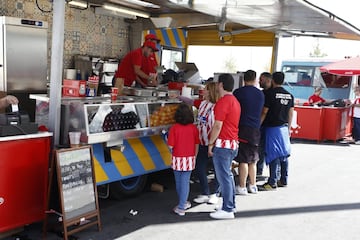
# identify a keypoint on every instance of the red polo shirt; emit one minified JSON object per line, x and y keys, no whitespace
{"x":315,"y":98}
{"x":126,"y":66}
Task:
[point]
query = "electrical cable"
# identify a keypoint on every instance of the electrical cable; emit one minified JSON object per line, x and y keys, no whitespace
{"x":42,"y":10}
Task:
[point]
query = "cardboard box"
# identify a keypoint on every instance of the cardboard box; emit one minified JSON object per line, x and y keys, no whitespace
{"x":74,"y":88}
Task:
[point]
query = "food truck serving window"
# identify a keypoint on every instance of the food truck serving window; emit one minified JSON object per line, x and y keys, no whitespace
{"x":170,"y":55}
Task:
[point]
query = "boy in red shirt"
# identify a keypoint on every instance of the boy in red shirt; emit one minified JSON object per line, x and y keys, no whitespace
{"x":184,"y":142}
{"x":315,"y":98}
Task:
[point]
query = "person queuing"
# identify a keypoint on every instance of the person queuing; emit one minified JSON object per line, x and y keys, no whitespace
{"x":355,"y":113}
{"x":251,"y":100}
{"x":205,"y":122}
{"x":315,"y":99}
{"x":183,"y":140}
{"x":265,"y":83}
{"x":129,"y":69}
{"x":276,"y":118}
{"x":150,"y":63}
{"x":223,"y":144}
{"x":8,"y":100}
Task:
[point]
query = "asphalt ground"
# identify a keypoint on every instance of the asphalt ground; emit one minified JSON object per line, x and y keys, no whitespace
{"x":321,"y":202}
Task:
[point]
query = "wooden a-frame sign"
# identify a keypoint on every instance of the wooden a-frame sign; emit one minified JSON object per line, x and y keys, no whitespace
{"x":79,"y":207}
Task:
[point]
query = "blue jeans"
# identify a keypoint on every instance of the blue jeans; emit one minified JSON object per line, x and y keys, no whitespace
{"x":356,"y":129}
{"x":281,"y":163}
{"x":202,"y":162}
{"x":182,"y":182}
{"x":222,"y":158}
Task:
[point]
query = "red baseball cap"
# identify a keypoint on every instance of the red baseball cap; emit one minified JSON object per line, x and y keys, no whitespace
{"x":151,"y":45}
{"x":151,"y":37}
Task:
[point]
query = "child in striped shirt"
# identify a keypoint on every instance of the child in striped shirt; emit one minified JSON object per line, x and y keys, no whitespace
{"x":184,"y":142}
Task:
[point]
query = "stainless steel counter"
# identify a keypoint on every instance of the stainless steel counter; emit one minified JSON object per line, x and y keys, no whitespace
{"x":26,"y":136}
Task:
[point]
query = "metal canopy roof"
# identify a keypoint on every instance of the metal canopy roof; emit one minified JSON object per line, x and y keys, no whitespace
{"x":284,"y":17}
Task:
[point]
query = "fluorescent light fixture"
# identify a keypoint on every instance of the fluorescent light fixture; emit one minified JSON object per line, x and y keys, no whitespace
{"x":137,"y":2}
{"x":126,"y":10}
{"x":102,"y":11}
{"x":79,"y":4}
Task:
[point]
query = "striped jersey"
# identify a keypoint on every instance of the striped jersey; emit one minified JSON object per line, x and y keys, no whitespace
{"x":205,"y":121}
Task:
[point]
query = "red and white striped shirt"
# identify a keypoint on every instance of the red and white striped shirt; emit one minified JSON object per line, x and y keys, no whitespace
{"x":206,"y":121}
{"x":230,"y":144}
{"x":183,"y":163}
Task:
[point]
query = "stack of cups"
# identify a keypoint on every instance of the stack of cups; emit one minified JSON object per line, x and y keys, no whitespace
{"x":114,"y":93}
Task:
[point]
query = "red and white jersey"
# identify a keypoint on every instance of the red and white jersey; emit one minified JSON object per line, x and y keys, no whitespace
{"x":183,"y":163}
{"x":229,"y":144}
{"x":206,"y":121}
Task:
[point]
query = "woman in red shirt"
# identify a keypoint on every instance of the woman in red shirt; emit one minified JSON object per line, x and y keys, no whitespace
{"x":315,"y":98}
{"x":184,"y":142}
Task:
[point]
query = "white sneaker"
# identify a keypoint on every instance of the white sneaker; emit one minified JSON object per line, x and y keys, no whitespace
{"x":357,"y":142}
{"x":213,"y":199}
{"x":221,"y":214}
{"x":253,"y":189}
{"x":241,"y":191}
{"x":219,"y":207}
{"x":187,"y":205}
{"x":201,"y":199}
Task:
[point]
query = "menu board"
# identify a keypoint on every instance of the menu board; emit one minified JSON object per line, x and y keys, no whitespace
{"x":76,"y":182}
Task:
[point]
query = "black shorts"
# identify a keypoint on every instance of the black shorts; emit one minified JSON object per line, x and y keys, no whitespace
{"x":247,"y":153}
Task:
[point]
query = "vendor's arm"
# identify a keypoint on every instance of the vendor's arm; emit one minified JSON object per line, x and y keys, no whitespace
{"x":6,"y":101}
{"x":141,"y":74}
{"x":186,"y":100}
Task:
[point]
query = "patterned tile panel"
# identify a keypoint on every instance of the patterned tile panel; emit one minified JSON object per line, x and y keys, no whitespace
{"x":85,"y":32}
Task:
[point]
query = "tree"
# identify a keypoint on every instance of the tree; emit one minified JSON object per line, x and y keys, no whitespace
{"x":230,"y":64}
{"x":317,"y":51}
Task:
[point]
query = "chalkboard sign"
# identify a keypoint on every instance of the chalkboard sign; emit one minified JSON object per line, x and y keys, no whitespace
{"x":77,"y":189}
{"x":76,"y":182}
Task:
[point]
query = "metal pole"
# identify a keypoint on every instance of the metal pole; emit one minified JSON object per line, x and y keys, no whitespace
{"x":57,"y":52}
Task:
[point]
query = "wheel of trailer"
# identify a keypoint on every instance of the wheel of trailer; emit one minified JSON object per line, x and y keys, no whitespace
{"x":127,"y":187}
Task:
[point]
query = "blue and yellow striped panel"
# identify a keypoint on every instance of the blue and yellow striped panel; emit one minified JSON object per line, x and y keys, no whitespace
{"x":140,"y":156}
{"x":174,"y":37}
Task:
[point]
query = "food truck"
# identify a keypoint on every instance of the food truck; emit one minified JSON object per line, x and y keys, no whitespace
{"x":128,"y":135}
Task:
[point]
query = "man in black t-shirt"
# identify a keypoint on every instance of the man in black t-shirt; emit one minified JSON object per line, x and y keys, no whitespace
{"x":276,"y":118}
{"x":265,"y":80}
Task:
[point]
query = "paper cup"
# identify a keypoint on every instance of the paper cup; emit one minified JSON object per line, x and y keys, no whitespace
{"x":74,"y":138}
{"x":114,"y":93}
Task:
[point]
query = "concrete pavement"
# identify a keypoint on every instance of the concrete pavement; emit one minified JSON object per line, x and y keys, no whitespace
{"x":322,"y":201}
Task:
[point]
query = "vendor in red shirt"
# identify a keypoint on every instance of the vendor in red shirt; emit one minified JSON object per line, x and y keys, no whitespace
{"x":315,"y":98}
{"x":150,"y":63}
{"x":129,"y":69}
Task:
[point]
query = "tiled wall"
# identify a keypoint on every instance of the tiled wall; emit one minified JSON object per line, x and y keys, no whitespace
{"x":85,"y":32}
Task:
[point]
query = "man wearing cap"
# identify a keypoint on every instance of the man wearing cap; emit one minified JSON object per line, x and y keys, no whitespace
{"x":150,"y":63}
{"x":129,"y":69}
